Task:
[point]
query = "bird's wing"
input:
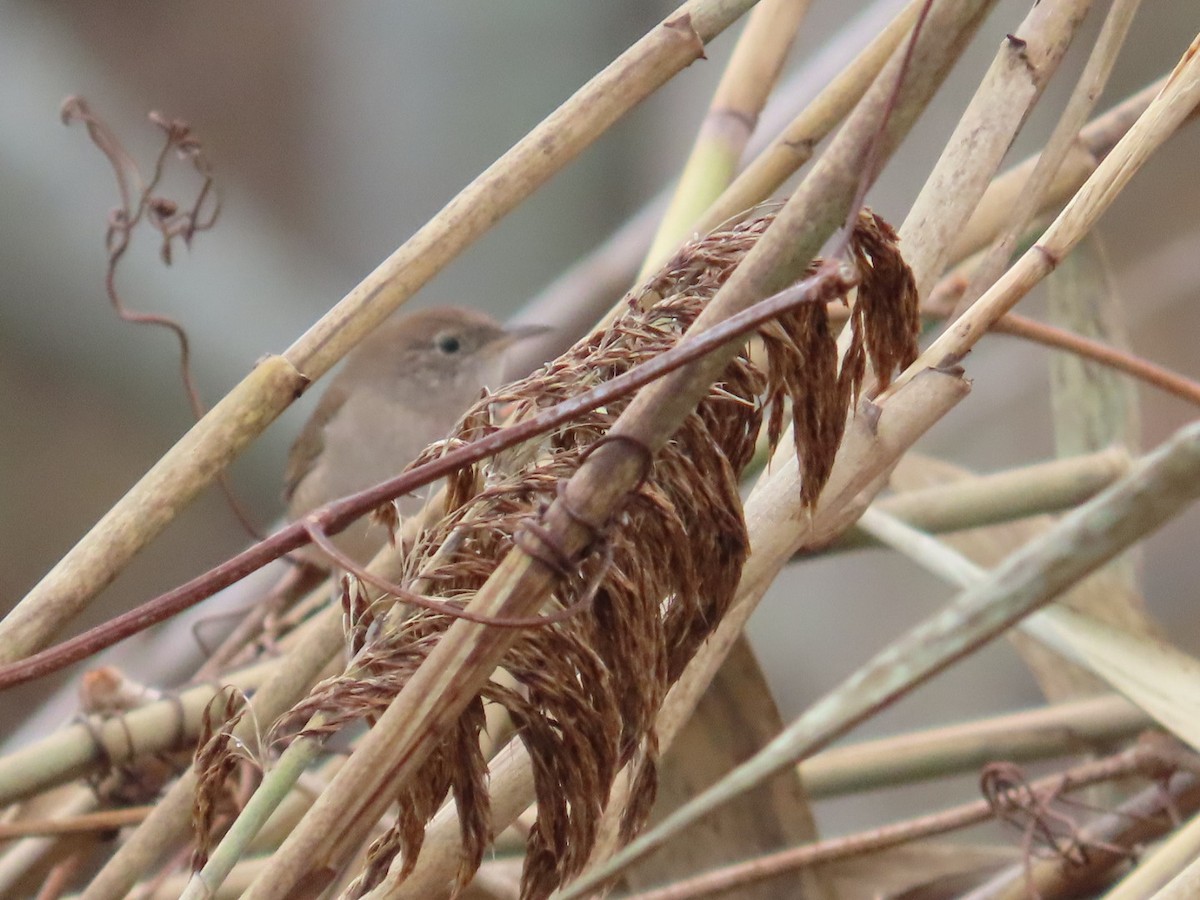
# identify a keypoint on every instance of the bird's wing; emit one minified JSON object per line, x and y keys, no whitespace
{"x":308,"y":446}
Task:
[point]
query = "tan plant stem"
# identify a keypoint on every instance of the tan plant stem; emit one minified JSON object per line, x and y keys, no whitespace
{"x":1132,"y":761}
{"x":575,"y":300}
{"x":463,"y":659}
{"x":1168,"y":110}
{"x":27,"y":854}
{"x":1087,"y":91}
{"x":1019,"y":73}
{"x":78,"y":749}
{"x":105,"y":820}
{"x":1012,"y":494}
{"x":1043,"y":733}
{"x":203,"y":452}
{"x":795,"y":145}
{"x":1091,"y":145}
{"x":1159,"y":486}
{"x":732,"y":116}
{"x":1169,"y":872}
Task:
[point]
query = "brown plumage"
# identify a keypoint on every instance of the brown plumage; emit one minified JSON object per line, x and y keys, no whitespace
{"x":401,"y":389}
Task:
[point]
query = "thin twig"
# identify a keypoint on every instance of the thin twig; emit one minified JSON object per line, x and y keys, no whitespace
{"x":140,"y":203}
{"x":107,"y":820}
{"x":1131,"y":364}
{"x":1021,"y":326}
{"x":1139,"y":759}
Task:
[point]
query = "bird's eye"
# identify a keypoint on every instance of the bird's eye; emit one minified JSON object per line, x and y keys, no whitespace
{"x":448,"y":343}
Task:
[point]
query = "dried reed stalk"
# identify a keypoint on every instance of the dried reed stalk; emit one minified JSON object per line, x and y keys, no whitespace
{"x":405,"y":734}
{"x":490,"y":501}
{"x":647,"y":602}
{"x":733,"y":113}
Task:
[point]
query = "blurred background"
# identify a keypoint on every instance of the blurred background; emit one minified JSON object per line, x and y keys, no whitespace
{"x":335,"y":132}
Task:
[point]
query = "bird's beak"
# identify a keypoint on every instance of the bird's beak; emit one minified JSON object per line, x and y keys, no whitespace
{"x":514,"y":334}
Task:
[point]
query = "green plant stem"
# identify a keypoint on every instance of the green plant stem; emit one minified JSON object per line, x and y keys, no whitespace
{"x":278,"y":783}
{"x":1001,"y":497}
{"x":732,"y":116}
{"x":795,"y":144}
{"x":76,"y":750}
{"x":1042,"y":733}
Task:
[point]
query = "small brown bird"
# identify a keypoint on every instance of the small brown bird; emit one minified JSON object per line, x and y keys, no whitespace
{"x":401,"y":389}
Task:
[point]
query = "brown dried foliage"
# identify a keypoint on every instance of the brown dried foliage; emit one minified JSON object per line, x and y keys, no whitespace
{"x":215,"y":762}
{"x":589,"y":687}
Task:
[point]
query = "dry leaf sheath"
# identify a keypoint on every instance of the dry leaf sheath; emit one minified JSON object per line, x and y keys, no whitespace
{"x":659,"y":577}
